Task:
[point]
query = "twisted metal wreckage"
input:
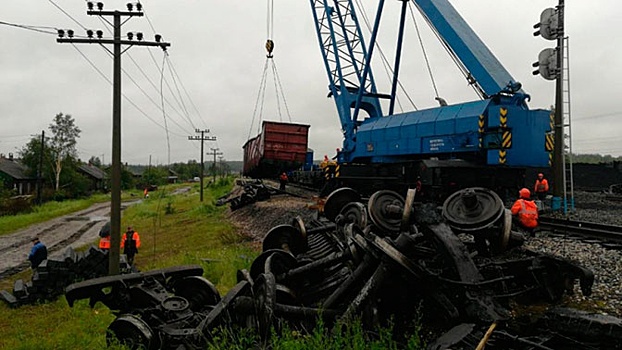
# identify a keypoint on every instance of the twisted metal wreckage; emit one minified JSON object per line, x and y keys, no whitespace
{"x":462,"y":270}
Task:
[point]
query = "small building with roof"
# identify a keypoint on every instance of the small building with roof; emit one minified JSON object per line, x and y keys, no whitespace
{"x":15,"y":176}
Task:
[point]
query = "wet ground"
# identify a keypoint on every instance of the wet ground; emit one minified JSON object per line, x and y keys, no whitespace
{"x":75,"y":230}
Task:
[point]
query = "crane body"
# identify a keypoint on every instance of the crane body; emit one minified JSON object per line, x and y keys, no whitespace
{"x":498,"y":131}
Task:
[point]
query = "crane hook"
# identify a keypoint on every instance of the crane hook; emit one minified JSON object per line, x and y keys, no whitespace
{"x":269,"y":47}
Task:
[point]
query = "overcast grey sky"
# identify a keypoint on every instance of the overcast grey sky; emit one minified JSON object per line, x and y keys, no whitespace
{"x":217,"y":51}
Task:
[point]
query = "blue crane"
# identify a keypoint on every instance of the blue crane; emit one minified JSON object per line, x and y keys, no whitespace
{"x":498,"y":130}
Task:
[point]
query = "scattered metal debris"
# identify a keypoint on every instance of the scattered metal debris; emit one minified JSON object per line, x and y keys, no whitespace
{"x":383,"y":260}
{"x":51,"y":277}
{"x":252,"y":191}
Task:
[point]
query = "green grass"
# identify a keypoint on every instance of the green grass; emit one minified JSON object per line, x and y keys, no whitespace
{"x":51,"y":210}
{"x":174,"y":230}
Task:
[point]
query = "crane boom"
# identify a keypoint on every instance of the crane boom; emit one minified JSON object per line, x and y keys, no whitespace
{"x":484,"y":132}
{"x":345,"y":57}
{"x":483,"y":68}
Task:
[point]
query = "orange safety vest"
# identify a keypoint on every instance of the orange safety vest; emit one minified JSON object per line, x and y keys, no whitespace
{"x":283,"y":177}
{"x":104,"y":243}
{"x":135,"y":237}
{"x":541,"y":186}
{"x":527,"y":212}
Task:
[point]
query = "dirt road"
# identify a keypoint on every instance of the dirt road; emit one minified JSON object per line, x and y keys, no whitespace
{"x":75,"y":230}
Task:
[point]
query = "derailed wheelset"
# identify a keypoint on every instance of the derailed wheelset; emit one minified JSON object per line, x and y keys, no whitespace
{"x":405,"y":258}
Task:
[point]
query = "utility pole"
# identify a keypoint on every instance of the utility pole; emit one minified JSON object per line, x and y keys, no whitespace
{"x":40,"y":170}
{"x":115,"y":202}
{"x":201,"y":138}
{"x":215,"y":153}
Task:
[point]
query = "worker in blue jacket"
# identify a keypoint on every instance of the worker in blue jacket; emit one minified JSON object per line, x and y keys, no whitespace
{"x":38,"y":253}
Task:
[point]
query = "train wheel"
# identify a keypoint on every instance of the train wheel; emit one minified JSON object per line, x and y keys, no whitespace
{"x":132,"y":332}
{"x":356,"y":213}
{"x":473,"y":209}
{"x":265,"y":300}
{"x":285,"y":237}
{"x":199,"y":292}
{"x":386,"y":209}
{"x":337,"y":200}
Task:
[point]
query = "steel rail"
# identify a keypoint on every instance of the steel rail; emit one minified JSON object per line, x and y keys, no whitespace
{"x":584,"y":229}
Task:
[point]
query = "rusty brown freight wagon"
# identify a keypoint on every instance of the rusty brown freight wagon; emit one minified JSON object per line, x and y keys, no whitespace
{"x":279,"y":147}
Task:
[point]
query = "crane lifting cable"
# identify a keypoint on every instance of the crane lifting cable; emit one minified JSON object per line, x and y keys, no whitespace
{"x":461,"y":67}
{"x":437,"y":97}
{"x":269,"y":63}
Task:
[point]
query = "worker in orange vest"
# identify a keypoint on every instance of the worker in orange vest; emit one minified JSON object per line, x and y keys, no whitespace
{"x":525,"y":212}
{"x":542,"y":187}
{"x":282,"y":181}
{"x":104,"y":241}
{"x":130,"y":242}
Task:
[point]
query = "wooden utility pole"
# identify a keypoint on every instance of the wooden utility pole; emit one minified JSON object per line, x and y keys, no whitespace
{"x":201,"y":138}
{"x":215,"y":153}
{"x":40,"y":170}
{"x":116,"y":42}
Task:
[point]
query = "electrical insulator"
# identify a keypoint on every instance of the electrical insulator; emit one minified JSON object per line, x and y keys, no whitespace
{"x":70,"y":33}
{"x":130,"y":6}
{"x":61,"y":33}
{"x":139,"y":36}
{"x":99,"y":34}
{"x":269,"y":47}
{"x":130,"y":35}
{"x":89,"y":5}
{"x":158,"y":37}
{"x":89,"y":33}
{"x":100,"y":6}
{"x":139,"y":6}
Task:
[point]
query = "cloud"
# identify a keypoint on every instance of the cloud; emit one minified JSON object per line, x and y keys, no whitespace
{"x":218,"y":53}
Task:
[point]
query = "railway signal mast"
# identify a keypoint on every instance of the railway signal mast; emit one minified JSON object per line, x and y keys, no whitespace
{"x":133,"y":10}
{"x":550,"y":66}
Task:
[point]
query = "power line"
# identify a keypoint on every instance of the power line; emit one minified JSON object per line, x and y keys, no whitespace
{"x":124,"y":95}
{"x":170,"y":89}
{"x":172,"y":66}
{"x":67,"y":14}
{"x":168,"y":140}
{"x":32,"y":28}
{"x":107,"y":79}
{"x":174,"y":71}
{"x":159,"y":91}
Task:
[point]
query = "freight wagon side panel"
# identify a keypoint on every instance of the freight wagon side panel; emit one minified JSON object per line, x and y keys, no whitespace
{"x":279,"y":147}
{"x":285,"y":142}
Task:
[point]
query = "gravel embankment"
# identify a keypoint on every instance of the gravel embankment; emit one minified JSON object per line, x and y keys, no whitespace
{"x":605,"y":263}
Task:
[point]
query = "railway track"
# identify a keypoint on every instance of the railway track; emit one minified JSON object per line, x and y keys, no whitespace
{"x":609,"y":236}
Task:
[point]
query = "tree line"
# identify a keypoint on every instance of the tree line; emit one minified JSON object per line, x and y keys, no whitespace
{"x":54,"y":158}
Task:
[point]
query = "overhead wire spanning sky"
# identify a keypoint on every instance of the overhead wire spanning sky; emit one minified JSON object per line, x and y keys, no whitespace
{"x":216,"y":59}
